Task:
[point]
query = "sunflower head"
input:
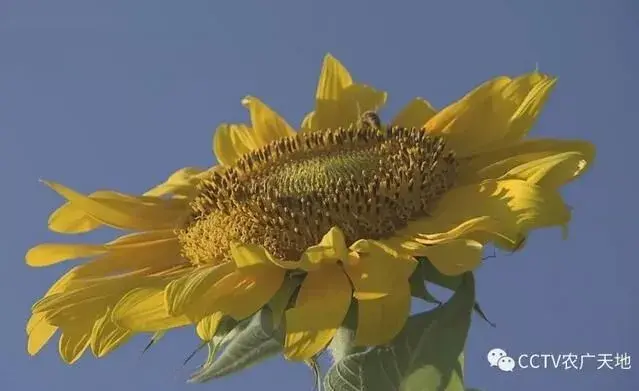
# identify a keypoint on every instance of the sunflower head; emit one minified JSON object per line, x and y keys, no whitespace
{"x":367,"y":180}
{"x":346,"y":204}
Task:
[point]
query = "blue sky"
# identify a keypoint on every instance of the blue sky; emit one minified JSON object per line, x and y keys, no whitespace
{"x":118,"y":94}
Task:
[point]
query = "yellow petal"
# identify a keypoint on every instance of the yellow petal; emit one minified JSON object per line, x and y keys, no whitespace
{"x":486,"y":116}
{"x":310,"y":122}
{"x":267,"y":124}
{"x":362,"y":98}
{"x":182,"y":182}
{"x":330,"y":249}
{"x":153,"y":255}
{"x":564,"y":159}
{"x":412,"y":240}
{"x":242,"y":293}
{"x":143,"y":310}
{"x":106,"y":336}
{"x":71,"y":219}
{"x":185,"y":293}
{"x":378,"y":269}
{"x":132,"y":213}
{"x":338,"y":100}
{"x":50,"y":253}
{"x":487,"y":226}
{"x":456,"y":256}
{"x":518,"y":206}
{"x":320,"y":308}
{"x":246,"y":255}
{"x":334,"y":78}
{"x":415,"y":114}
{"x":73,"y":341}
{"x":231,"y":141}
{"x":530,"y":92}
{"x":404,"y":240}
{"x":150,"y":249}
{"x":39,"y":332}
{"x":380,"y":320}
{"x":88,"y":298}
{"x":207,"y":327}
{"x":551,"y":171}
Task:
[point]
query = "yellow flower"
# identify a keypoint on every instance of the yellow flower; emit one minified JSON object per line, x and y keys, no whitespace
{"x":347,"y":202}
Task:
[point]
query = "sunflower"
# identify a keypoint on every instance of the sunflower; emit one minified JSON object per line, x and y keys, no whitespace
{"x":347,"y":203}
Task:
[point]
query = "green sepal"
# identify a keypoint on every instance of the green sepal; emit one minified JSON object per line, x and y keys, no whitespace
{"x":242,"y":349}
{"x":432,"y":275}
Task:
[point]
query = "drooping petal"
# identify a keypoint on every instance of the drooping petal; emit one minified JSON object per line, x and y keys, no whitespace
{"x":338,"y":100}
{"x":231,"y":141}
{"x":486,"y":116}
{"x":72,"y":219}
{"x":185,"y":294}
{"x":376,"y":269}
{"x":320,"y":308}
{"x":517,"y":205}
{"x":51,"y":253}
{"x":482,"y":227}
{"x":552,"y":171}
{"x":106,"y":336}
{"x":74,"y":340}
{"x":267,"y":124}
{"x":151,"y":251}
{"x":39,"y":332}
{"x":143,"y":310}
{"x":130,"y":212}
{"x":497,"y":211}
{"x":39,"y":329}
{"x":380,"y":320}
{"x":244,"y":292}
{"x":415,"y":114}
{"x":207,"y":327}
{"x":560,"y":161}
{"x":158,"y":249}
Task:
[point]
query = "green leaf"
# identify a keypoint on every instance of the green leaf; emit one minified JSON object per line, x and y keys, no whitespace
{"x":426,"y":356}
{"x":226,"y":331}
{"x":417,"y":286}
{"x":431,"y":274}
{"x":245,"y":348}
{"x":482,"y":315}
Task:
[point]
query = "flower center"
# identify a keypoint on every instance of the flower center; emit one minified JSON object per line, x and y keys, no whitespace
{"x":286,"y":195}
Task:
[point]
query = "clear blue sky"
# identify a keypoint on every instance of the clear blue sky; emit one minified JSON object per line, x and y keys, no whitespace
{"x":118,"y":94}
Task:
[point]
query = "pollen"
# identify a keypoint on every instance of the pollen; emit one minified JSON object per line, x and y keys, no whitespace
{"x":366,"y":179}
